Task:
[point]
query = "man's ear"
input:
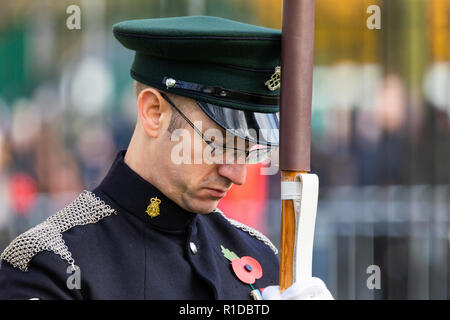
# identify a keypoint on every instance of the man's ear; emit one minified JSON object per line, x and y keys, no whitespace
{"x":153,"y":111}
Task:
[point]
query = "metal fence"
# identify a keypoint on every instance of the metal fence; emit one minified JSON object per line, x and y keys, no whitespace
{"x":403,"y":230}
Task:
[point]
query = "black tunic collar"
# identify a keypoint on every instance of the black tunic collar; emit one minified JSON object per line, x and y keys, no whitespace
{"x":132,"y":193}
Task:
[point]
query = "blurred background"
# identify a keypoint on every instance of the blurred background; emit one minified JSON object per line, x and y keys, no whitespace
{"x":380,"y":129}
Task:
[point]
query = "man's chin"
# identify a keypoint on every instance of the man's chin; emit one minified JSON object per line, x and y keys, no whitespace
{"x":203,"y":206}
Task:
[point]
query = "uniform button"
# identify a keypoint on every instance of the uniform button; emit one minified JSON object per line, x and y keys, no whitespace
{"x":193,"y":247}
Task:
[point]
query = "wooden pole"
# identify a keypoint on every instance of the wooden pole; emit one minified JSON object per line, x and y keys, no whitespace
{"x":295,"y":115}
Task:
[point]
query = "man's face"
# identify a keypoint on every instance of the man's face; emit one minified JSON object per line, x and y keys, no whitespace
{"x":197,"y":183}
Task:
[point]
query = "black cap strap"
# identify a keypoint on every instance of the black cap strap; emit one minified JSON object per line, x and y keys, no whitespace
{"x":222,"y":93}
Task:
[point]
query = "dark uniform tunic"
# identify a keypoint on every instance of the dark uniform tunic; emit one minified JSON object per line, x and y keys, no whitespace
{"x":128,"y":255}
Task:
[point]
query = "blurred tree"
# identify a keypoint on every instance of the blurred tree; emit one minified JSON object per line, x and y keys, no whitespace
{"x":438,"y":22}
{"x":267,"y":12}
{"x":404,"y":46}
{"x":342,"y":33}
{"x":13,"y":73}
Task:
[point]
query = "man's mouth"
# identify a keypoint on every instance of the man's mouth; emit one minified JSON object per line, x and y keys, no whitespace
{"x":217,"y":193}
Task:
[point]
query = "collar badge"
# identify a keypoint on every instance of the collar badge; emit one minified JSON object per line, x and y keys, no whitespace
{"x":153,"y":207}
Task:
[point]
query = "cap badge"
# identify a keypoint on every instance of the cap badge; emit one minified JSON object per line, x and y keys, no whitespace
{"x":274,"y":82}
{"x":153,"y":207}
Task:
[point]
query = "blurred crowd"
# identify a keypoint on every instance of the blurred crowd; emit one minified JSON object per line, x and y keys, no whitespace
{"x":48,"y":155}
{"x":403,"y":138}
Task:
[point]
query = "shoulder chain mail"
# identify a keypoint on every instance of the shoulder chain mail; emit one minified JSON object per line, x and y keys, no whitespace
{"x":253,"y":232}
{"x":85,"y":209}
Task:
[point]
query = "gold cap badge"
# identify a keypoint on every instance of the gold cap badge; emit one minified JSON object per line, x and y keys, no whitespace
{"x":274,"y":82}
{"x":153,"y":207}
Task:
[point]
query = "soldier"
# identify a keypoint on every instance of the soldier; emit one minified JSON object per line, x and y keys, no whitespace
{"x":151,"y":229}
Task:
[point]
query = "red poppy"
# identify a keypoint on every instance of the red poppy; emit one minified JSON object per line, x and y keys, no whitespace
{"x":247,"y":269}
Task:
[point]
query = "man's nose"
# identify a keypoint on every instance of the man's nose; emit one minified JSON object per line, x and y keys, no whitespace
{"x":236,"y":173}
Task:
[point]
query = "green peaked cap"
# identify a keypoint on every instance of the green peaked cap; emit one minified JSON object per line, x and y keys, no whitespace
{"x":209,"y":59}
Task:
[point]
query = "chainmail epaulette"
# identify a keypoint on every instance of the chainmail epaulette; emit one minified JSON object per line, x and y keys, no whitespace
{"x":85,"y":209}
{"x":253,"y":232}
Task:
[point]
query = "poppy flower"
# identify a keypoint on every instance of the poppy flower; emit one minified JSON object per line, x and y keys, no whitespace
{"x":247,"y":269}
